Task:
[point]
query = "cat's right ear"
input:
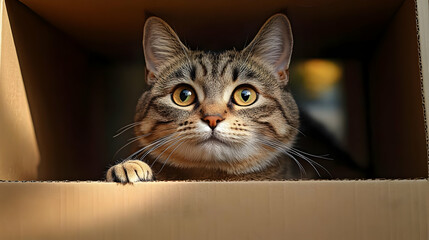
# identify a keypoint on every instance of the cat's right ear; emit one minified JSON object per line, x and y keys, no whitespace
{"x":161,"y":45}
{"x":273,"y":45}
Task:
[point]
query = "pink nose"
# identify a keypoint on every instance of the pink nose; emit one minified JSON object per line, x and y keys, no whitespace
{"x":212,"y":120}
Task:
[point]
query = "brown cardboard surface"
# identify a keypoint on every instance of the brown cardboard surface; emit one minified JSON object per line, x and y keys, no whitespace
{"x":397,"y":121}
{"x":115,"y":27}
{"x":422,"y":10}
{"x":61,"y":95}
{"x":208,"y":210}
{"x":16,"y":126}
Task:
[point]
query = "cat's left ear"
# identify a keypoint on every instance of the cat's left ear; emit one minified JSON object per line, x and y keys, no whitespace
{"x":160,"y":45}
{"x":273,"y":45}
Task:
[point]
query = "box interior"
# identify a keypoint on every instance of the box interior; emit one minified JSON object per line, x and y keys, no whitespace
{"x":82,"y":69}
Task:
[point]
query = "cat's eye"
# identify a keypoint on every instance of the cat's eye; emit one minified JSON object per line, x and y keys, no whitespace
{"x":183,"y":95}
{"x":244,"y":96}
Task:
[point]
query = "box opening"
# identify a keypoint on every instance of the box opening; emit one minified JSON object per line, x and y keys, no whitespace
{"x":82,"y":67}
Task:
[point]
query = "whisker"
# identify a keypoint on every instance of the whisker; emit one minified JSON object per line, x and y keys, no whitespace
{"x":301,"y":168}
{"x":134,"y":139}
{"x":126,"y":128}
{"x":131,"y":140}
{"x":157,"y":146}
{"x":289,"y":151}
{"x":280,"y":149}
{"x":303,"y":152}
{"x":310,"y":161}
{"x":156,"y":159}
{"x":169,"y":156}
{"x":313,"y":155}
{"x":321,"y":166}
{"x":135,"y":124}
{"x":297,"y":130}
{"x":260,"y":127}
{"x":128,"y":125}
{"x":150,"y":145}
{"x":307,"y":160}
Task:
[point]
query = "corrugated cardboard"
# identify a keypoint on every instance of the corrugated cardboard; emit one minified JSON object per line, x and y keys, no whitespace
{"x":15,"y":119}
{"x":227,"y":210}
{"x":395,"y":100}
{"x":49,"y":45}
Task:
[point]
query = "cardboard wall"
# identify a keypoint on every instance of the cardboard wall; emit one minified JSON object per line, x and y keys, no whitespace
{"x":299,"y":210}
{"x":55,"y":75}
{"x":19,"y":154}
{"x":115,"y":27}
{"x":77,"y":99}
{"x":396,"y":109}
{"x":422,"y":11}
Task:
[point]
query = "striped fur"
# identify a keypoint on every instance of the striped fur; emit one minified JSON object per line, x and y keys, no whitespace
{"x":249,"y":140}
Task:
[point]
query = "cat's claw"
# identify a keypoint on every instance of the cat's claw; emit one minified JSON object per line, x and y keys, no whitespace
{"x":129,"y":172}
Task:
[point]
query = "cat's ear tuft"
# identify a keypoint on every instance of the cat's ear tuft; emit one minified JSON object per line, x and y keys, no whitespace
{"x":160,"y":44}
{"x":273,"y":44}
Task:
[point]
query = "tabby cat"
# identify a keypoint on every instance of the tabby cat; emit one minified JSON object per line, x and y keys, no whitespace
{"x":214,"y":116}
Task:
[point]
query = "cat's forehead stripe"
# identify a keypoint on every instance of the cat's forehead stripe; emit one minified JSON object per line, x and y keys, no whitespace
{"x":214,"y":71}
{"x":177,"y":74}
{"x":218,"y":63}
{"x":222,"y":72}
{"x":235,"y":74}
{"x":249,"y":73}
{"x":203,"y":66}
{"x":214,"y":61}
{"x":193,"y":73}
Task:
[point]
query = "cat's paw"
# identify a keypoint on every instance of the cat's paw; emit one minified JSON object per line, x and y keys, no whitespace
{"x":129,"y":172}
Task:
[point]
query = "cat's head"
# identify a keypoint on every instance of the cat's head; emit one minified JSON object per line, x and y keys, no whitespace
{"x":227,"y":111}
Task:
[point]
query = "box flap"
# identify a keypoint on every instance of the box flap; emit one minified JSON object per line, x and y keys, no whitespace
{"x":209,"y":210}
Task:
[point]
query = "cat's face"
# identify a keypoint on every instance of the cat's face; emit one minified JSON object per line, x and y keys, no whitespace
{"x":225,"y":111}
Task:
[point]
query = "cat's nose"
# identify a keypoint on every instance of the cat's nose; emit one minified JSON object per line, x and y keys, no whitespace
{"x":212,"y":120}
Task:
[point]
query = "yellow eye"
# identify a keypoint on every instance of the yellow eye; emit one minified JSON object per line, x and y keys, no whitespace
{"x":245,"y":96}
{"x":183,"y":96}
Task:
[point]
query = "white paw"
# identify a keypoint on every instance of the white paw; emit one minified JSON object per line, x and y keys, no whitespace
{"x":130,"y":171}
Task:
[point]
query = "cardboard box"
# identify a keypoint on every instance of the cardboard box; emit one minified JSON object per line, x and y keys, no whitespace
{"x":70,"y":73}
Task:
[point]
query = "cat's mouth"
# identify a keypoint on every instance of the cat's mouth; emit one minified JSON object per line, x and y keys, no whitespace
{"x":214,"y":140}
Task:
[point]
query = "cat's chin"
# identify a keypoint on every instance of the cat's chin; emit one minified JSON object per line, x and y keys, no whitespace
{"x":216,"y":150}
{"x":214,"y":142}
{"x":215,"y":154}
